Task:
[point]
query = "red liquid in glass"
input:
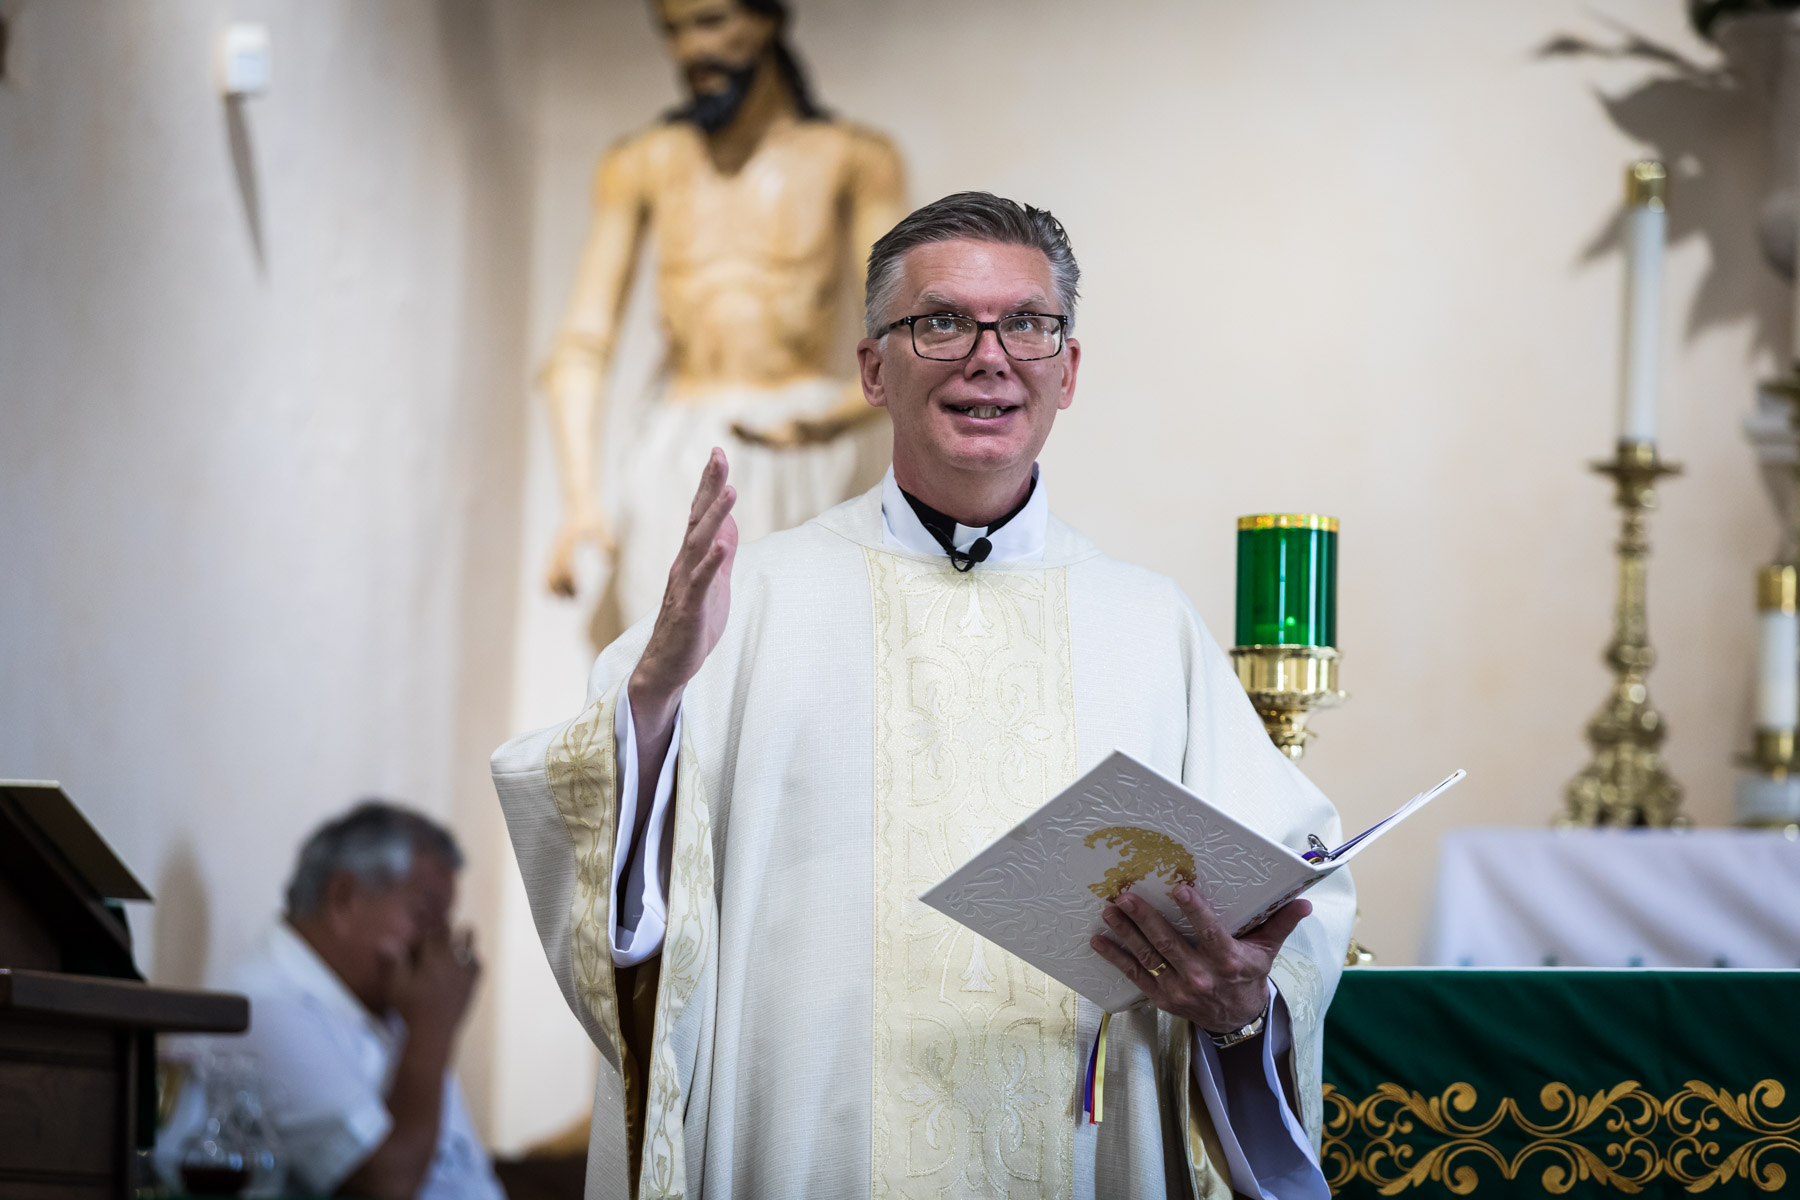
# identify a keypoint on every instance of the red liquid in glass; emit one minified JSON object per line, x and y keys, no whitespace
{"x":215,"y":1181}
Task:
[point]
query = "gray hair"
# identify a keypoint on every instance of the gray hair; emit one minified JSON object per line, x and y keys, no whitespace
{"x":376,"y":842}
{"x":979,"y":217}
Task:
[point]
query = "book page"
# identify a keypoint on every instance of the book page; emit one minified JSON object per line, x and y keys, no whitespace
{"x":1348,"y":849}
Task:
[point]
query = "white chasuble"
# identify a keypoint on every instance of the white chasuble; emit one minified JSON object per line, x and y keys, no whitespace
{"x":870,"y":719}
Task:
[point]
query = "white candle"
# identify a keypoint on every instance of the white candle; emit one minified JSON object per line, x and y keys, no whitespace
{"x":1646,"y":225}
{"x":1778,"y":657}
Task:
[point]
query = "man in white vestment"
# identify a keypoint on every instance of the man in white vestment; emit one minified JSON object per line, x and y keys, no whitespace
{"x":724,"y":849}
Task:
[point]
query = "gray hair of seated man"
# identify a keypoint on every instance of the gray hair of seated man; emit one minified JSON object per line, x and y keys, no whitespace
{"x":978,"y":217}
{"x":375,"y":842}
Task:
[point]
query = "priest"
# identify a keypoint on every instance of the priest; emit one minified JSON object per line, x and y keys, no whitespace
{"x":724,"y":849}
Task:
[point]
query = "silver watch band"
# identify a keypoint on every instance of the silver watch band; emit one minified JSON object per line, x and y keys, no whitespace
{"x":1226,"y":1040}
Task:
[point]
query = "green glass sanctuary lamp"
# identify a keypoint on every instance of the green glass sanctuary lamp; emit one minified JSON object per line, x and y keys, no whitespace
{"x":1286,"y":653}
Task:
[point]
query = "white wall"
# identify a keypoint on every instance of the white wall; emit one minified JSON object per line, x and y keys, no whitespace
{"x":1337,"y":258}
{"x":259,"y":511}
{"x":260,"y":523}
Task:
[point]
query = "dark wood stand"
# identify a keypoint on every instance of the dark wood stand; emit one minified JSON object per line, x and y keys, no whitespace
{"x":74,"y":1053}
{"x":77,"y":1023}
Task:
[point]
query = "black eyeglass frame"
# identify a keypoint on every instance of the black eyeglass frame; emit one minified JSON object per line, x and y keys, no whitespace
{"x":981,"y":327}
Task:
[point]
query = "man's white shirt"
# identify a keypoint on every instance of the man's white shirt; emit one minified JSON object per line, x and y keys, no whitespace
{"x":328,"y":1064}
{"x":1266,"y":1147}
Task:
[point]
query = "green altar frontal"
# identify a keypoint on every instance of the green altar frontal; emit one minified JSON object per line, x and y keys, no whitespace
{"x":1471,"y":1082}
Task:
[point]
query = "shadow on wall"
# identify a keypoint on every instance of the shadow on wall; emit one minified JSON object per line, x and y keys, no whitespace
{"x":182,"y":921}
{"x":1715,"y":127}
{"x":243,"y":170}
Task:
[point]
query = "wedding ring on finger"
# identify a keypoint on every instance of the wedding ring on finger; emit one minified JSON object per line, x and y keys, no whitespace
{"x":1158,"y":969}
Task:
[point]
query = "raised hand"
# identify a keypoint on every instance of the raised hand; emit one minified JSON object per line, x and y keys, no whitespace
{"x":432,"y":986}
{"x":694,"y":607}
{"x":1218,"y":982}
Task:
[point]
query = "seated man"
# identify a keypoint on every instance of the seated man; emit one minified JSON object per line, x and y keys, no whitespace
{"x":355,"y":1000}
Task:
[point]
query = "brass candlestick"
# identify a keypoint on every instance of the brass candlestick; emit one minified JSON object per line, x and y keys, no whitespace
{"x":1626,"y":783}
{"x":1286,"y":684}
{"x":1777,"y":589}
{"x":1769,"y":795}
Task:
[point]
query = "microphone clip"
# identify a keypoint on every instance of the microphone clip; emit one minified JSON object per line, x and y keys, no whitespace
{"x":965,"y":560}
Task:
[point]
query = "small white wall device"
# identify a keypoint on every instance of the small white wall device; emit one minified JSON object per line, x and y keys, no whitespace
{"x":244,"y":60}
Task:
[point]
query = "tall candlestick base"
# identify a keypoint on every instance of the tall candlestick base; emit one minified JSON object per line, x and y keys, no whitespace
{"x":1286,"y":685}
{"x":1626,"y":782}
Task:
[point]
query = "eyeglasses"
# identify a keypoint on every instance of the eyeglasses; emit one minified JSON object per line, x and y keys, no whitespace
{"x":948,"y":337}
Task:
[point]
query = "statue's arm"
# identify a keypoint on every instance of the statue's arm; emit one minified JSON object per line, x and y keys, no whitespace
{"x":574,"y":377}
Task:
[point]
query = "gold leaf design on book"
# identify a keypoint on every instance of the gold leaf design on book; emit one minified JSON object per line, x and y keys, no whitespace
{"x":1146,"y":852}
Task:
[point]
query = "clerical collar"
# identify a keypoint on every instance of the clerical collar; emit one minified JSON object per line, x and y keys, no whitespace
{"x":912,"y":525}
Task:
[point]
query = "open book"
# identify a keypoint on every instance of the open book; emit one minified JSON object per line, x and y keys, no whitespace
{"x":1039,"y":890}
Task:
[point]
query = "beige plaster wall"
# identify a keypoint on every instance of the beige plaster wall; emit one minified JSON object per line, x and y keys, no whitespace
{"x":1347,"y":258}
{"x":260,"y":438}
{"x":272,"y":522}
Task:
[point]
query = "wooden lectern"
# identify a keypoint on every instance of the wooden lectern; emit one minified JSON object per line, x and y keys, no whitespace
{"x":77,"y":1021}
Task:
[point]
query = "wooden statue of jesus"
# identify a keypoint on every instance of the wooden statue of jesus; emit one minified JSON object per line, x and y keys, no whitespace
{"x":759,"y":206}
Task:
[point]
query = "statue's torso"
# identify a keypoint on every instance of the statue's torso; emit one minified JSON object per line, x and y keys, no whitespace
{"x":749,"y":264}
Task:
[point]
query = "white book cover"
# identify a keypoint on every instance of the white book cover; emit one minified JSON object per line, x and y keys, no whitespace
{"x":1039,"y":890}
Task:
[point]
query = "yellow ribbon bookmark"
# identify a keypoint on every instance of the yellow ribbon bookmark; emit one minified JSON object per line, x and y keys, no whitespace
{"x":1100,"y":1067}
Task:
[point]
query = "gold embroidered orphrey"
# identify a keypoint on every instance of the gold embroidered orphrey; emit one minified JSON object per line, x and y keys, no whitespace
{"x":1146,"y":852}
{"x":582,"y":773}
{"x":974,"y":1051}
{"x":1412,"y":1140}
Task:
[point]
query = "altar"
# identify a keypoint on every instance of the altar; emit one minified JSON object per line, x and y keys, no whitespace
{"x":1482,"y":1082}
{"x":1616,"y":898}
{"x":1606,"y":1011}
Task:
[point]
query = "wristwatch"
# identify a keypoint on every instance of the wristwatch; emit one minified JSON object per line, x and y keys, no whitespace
{"x":1226,"y":1040}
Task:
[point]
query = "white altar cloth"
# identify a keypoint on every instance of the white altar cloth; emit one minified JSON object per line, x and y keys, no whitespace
{"x":1616,"y":898}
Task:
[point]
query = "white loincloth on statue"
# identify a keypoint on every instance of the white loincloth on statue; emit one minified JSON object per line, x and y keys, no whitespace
{"x":777,"y":489}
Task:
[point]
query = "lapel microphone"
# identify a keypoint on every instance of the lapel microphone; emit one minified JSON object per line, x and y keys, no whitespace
{"x":965,"y":560}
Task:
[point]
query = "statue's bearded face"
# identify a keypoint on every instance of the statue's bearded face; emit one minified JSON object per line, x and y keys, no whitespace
{"x":719,"y":46}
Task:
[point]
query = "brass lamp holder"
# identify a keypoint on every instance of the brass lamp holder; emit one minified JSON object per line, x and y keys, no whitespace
{"x":1626,"y":783}
{"x":1286,"y":684}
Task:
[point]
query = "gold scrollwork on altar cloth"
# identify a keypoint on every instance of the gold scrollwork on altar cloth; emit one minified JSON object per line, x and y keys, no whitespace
{"x":1406,"y":1140}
